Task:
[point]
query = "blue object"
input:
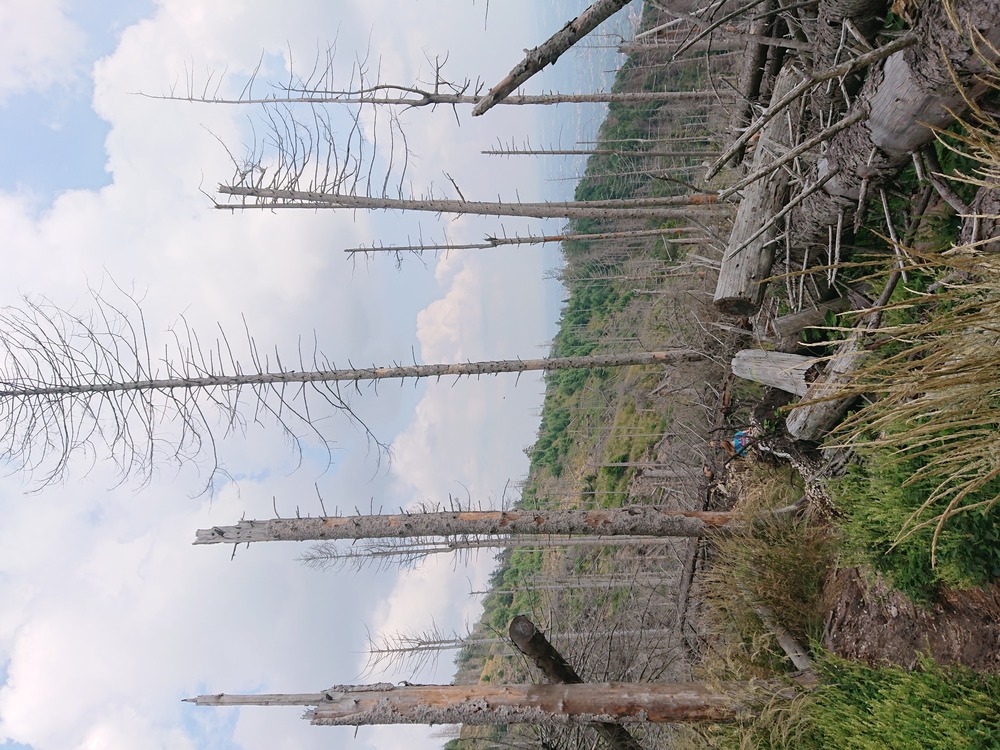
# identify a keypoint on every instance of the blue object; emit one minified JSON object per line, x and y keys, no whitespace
{"x":741,"y":442}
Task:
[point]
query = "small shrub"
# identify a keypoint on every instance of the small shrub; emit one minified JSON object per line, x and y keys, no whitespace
{"x":884,"y":497}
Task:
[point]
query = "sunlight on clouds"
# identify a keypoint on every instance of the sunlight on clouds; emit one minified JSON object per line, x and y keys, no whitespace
{"x":39,"y":46}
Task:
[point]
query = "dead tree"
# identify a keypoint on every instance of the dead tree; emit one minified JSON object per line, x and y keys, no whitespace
{"x":559,"y":705}
{"x":532,"y":643}
{"x":79,"y":384}
{"x":550,"y":51}
{"x":630,"y":521}
{"x":492,"y":242}
{"x":244,"y":197}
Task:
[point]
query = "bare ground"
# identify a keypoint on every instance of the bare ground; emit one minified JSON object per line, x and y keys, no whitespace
{"x":871,"y":622}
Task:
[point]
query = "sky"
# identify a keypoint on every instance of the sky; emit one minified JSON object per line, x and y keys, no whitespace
{"x":110,"y":616}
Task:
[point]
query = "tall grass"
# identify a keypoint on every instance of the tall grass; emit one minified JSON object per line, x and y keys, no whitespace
{"x":934,"y":390}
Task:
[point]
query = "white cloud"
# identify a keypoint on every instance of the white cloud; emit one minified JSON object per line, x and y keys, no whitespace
{"x":110,"y":617}
{"x":39,"y":46}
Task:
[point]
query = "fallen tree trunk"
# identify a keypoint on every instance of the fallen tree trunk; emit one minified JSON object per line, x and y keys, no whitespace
{"x":823,"y":405}
{"x":749,"y":254}
{"x":751,"y":72}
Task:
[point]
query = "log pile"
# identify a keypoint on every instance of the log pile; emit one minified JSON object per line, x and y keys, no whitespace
{"x":832,"y":142}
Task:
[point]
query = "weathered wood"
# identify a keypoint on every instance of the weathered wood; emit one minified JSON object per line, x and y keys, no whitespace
{"x":528,"y":704}
{"x":788,"y":372}
{"x":914,"y":91}
{"x":981,"y":228}
{"x":637,"y":520}
{"x":550,"y":51}
{"x":751,"y":71}
{"x":823,"y":405}
{"x":16,"y":390}
{"x":793,"y":324}
{"x":268,"y":198}
{"x":749,"y":254}
{"x":627,"y":703}
{"x":531,"y":642}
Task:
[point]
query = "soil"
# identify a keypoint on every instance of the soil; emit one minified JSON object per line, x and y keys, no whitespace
{"x":871,"y":622}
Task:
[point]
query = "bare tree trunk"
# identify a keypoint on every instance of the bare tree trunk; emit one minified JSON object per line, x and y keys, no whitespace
{"x":641,"y":208}
{"x":750,"y":252}
{"x":628,"y":521}
{"x":353,"y":375}
{"x":590,"y":152}
{"x":532,"y":643}
{"x":492,"y":242}
{"x":550,"y":51}
{"x":384,"y":703}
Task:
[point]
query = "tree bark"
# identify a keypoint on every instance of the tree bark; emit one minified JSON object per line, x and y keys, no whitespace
{"x":641,"y":208}
{"x":637,"y":520}
{"x":912,"y":93}
{"x":749,"y":254}
{"x":15,"y":390}
{"x":385,"y":703}
{"x":550,"y":51}
{"x":831,"y":16}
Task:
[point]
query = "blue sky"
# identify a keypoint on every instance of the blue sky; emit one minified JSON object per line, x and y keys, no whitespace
{"x":103,"y":188}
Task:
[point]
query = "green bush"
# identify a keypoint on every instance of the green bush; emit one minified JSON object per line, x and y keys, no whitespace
{"x":880,"y":497}
{"x":932,"y":708}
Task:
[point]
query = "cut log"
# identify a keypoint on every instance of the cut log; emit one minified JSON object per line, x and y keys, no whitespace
{"x":788,"y":372}
{"x":795,"y":323}
{"x":747,"y":260}
{"x":914,"y":92}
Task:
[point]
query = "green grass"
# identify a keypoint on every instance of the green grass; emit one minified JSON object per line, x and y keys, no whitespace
{"x":888,"y":493}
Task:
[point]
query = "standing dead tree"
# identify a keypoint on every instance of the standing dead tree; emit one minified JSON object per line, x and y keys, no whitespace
{"x":90,"y":383}
{"x":532,"y":643}
{"x":492,"y":242}
{"x":637,"y":520}
{"x":550,"y":51}
{"x":385,"y":703}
